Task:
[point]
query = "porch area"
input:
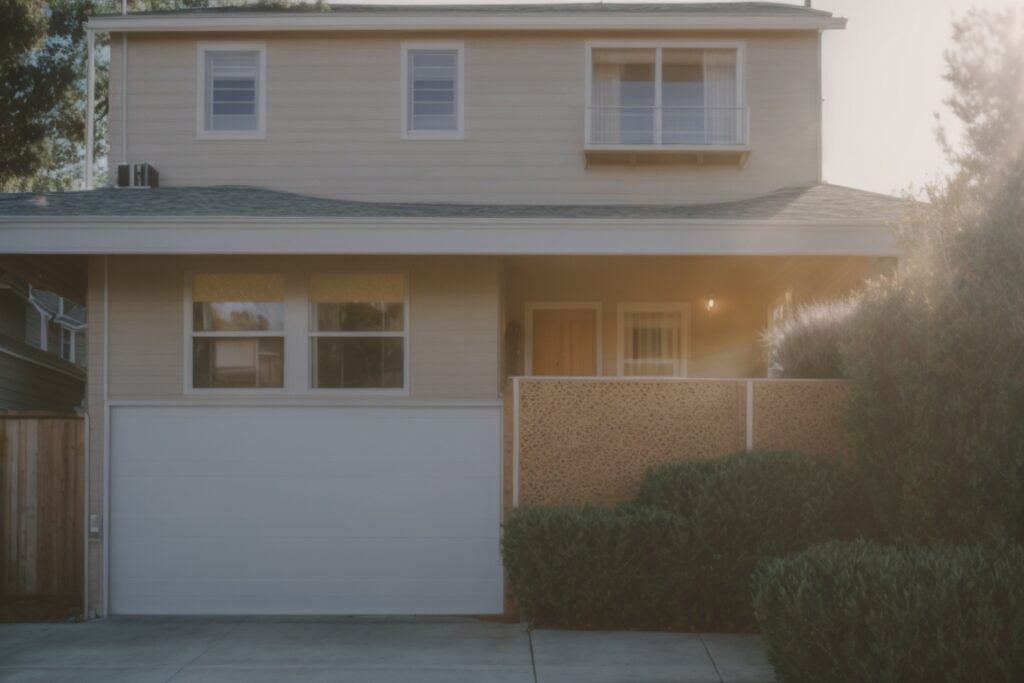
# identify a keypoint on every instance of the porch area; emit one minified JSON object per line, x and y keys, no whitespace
{"x":660,"y":316}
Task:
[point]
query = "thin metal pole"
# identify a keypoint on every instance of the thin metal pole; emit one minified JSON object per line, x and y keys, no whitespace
{"x":90,"y":107}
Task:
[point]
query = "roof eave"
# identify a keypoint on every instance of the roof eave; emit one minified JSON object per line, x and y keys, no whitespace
{"x":468,"y":21}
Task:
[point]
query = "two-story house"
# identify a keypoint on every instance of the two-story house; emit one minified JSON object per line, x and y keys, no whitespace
{"x":366,"y":220}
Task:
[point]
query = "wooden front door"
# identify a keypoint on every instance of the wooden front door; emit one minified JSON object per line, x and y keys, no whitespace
{"x":565,"y":342}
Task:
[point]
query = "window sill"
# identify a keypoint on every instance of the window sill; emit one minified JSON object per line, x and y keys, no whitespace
{"x":448,"y":135}
{"x":224,"y":135}
{"x":698,"y":155}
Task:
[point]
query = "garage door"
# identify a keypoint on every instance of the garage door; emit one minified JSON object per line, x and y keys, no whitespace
{"x":305,"y":510}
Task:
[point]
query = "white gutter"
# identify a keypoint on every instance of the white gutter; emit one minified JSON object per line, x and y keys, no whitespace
{"x":461,"y":21}
{"x":436,"y":236}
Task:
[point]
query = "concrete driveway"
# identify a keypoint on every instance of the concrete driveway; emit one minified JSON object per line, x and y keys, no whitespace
{"x":365,"y":650}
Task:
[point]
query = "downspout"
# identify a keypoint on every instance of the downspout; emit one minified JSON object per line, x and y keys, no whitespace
{"x":105,"y":537}
{"x":90,"y":106}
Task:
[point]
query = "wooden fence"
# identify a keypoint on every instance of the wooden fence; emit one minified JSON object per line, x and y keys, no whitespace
{"x":41,"y":505}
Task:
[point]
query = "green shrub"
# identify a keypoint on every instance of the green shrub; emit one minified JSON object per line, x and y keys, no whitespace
{"x":744,"y":507}
{"x":682,"y":555}
{"x":860,"y":613}
{"x":594,"y":567}
{"x":936,"y":365}
{"x":806,"y":345}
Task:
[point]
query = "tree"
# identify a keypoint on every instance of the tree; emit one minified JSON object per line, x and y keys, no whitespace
{"x":935,"y":354}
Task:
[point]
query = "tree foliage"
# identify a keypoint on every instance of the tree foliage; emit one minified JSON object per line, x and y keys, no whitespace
{"x":935,"y":353}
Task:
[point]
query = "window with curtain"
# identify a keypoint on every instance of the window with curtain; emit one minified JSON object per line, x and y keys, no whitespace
{"x":433,"y":100}
{"x":653,"y":341}
{"x":232,"y":91}
{"x":237,"y":331}
{"x":358,"y":334}
{"x":664,"y":96}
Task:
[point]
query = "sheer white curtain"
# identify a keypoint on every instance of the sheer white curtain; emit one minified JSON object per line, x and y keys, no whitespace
{"x":605,"y":102}
{"x":723,"y":119}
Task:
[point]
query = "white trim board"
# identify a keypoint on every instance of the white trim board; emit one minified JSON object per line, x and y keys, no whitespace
{"x":464,"y":21}
{"x":227,"y":235}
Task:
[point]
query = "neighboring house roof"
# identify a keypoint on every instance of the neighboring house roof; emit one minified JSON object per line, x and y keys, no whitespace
{"x":816,"y":204}
{"x":584,"y":15}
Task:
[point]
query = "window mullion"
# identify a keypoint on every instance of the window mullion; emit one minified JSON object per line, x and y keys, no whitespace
{"x":657,"y":95}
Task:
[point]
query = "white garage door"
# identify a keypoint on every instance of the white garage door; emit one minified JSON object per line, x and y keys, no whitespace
{"x":305,"y":510}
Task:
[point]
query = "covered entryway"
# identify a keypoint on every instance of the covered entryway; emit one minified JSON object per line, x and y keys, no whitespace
{"x":304,"y":509}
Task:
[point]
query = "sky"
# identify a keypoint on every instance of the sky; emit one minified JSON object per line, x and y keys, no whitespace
{"x":882,"y":87}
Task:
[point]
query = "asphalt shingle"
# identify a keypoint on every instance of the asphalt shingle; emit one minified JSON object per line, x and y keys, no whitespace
{"x":819,"y":203}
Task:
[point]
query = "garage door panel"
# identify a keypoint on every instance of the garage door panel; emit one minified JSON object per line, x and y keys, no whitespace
{"x":270,"y":510}
{"x":318,"y":526}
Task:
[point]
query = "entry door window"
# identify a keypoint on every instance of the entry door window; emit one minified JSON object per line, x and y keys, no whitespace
{"x":237,"y":331}
{"x":564,"y":342}
{"x":652,"y":340}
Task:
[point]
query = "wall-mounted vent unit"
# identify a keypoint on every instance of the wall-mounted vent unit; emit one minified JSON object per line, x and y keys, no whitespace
{"x":137,"y":175}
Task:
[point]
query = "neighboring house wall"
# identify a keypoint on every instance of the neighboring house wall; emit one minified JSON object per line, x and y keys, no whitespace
{"x":34,"y":380}
{"x":334,"y":122}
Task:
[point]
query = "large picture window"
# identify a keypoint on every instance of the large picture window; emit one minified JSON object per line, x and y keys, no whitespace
{"x":237,"y":331}
{"x":665,"y":95}
{"x":653,"y":340}
{"x":358,"y":331}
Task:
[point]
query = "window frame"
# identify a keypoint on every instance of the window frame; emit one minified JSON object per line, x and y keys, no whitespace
{"x":312,"y":334}
{"x":658,"y":45}
{"x":681,"y":307}
{"x":202,"y":48}
{"x":460,"y":92}
{"x":191,"y":334}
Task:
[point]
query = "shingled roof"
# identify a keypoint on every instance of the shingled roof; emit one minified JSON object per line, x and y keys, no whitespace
{"x":818,"y":203}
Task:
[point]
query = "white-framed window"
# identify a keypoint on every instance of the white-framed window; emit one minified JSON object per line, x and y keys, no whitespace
{"x":237,"y":330}
{"x":67,"y":344}
{"x":231,"y":83}
{"x":653,"y":339}
{"x":358,"y":331}
{"x":432,"y":90}
{"x":672,"y":94}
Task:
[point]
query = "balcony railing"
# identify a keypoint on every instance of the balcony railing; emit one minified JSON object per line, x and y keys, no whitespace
{"x":668,"y":127}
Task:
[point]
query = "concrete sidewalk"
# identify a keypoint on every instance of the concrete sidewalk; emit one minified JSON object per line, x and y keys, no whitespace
{"x":365,"y":650}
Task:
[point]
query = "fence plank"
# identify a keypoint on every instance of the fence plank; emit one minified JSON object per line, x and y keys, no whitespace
{"x":41,"y":497}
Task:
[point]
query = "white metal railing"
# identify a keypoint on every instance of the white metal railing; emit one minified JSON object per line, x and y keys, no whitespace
{"x":652,"y":126}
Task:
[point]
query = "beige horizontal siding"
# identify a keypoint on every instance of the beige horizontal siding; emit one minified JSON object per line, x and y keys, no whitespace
{"x":333,"y":123}
{"x":454,"y":325}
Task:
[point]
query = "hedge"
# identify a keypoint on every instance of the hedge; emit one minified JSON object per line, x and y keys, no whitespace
{"x":682,"y":555}
{"x":745,"y":507}
{"x":862,"y":613}
{"x":595,"y":567}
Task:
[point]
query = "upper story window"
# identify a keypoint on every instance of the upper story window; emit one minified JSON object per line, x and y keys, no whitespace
{"x":232,"y":85}
{"x":237,"y":331}
{"x":432,"y":90}
{"x":672,"y":95}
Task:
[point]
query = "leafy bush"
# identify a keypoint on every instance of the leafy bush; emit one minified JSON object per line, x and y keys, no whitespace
{"x":860,"y":613}
{"x":744,"y":507}
{"x":594,"y":567}
{"x":806,"y":345}
{"x":682,"y":555}
{"x":936,"y":361}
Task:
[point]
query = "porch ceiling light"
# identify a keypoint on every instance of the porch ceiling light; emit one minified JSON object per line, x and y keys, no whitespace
{"x":710,"y":303}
